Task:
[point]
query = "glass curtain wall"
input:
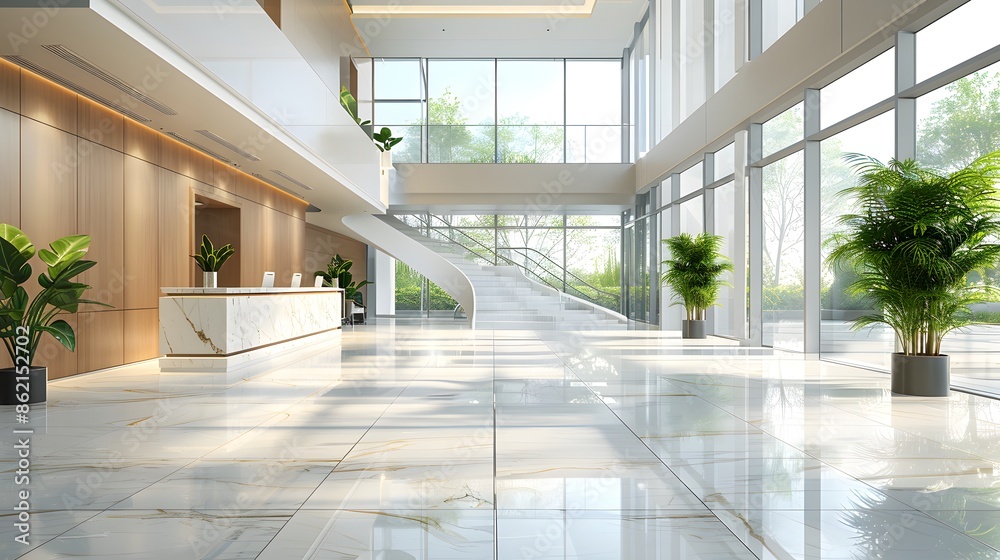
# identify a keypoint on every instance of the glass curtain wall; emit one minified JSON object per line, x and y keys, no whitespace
{"x":956,"y":122}
{"x":870,"y":346}
{"x":501,"y":111}
{"x":400,"y":86}
{"x":593,"y":111}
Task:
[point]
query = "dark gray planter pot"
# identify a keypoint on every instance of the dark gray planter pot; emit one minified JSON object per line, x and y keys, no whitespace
{"x":38,"y":378}
{"x":921,"y":376}
{"x":692,"y":329}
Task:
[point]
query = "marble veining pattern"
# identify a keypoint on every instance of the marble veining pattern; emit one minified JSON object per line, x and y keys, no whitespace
{"x":219,"y":325}
{"x":423,"y":440}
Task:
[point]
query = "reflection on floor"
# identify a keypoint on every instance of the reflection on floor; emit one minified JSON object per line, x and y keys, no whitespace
{"x":427,"y":441}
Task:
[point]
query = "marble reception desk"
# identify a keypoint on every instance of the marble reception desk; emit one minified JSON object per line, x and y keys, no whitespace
{"x":242,"y":329}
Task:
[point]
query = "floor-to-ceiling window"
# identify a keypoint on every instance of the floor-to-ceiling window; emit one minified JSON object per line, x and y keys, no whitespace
{"x":501,"y":111}
{"x":957,"y":122}
{"x":400,"y":102}
{"x":840,"y":306}
{"x":461,"y":111}
{"x":593,"y":111}
{"x":782,"y":207}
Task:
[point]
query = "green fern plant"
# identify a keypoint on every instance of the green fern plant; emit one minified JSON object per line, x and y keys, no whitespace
{"x":694,"y":272}
{"x":914,"y":239}
{"x":209,"y":258}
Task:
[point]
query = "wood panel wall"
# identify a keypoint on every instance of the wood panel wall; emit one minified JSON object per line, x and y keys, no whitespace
{"x":322,"y":244}
{"x":69,"y":166}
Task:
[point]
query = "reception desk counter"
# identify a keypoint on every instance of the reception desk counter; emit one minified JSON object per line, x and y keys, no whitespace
{"x":244,"y":330}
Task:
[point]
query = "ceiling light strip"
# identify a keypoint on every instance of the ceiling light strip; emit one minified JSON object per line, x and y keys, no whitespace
{"x":275,"y":185}
{"x":198,"y":147}
{"x":283,"y":174}
{"x":25,"y":63}
{"x":107,"y":77}
{"x":223,"y":142}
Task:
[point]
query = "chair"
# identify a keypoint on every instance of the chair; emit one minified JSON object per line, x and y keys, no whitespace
{"x":356,"y":309}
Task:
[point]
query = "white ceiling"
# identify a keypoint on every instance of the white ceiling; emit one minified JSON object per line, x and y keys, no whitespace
{"x":603,"y":34}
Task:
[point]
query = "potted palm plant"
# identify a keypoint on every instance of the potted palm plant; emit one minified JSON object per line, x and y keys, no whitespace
{"x":210,"y":261}
{"x":914,"y":238}
{"x":694,"y":272}
{"x":24,"y":320}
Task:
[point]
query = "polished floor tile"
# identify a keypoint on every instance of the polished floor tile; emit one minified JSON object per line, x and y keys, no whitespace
{"x":421,"y":440}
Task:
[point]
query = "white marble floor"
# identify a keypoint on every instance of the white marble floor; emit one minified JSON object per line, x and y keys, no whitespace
{"x":427,"y":441}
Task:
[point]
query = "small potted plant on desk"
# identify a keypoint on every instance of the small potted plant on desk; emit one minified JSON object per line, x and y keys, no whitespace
{"x":338,"y":275}
{"x":693,"y":273}
{"x":23,"y":320}
{"x":914,"y":239}
{"x":210,"y":261}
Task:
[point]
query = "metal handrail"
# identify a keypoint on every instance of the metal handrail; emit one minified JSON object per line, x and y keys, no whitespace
{"x":558,"y":285}
{"x":559,"y":267}
{"x":496,"y":256}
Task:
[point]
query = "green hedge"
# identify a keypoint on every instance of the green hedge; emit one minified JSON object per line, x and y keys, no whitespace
{"x":408,"y":299}
{"x":784,"y":298}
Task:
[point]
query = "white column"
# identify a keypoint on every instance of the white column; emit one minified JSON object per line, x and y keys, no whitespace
{"x":385,"y":284}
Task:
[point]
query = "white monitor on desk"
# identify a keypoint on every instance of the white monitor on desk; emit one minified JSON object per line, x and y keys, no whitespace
{"x":297,"y":280}
{"x":318,"y":281}
{"x":268,"y":280}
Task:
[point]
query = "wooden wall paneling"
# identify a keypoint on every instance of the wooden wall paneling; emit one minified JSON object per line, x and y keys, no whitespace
{"x":51,"y":354}
{"x":10,"y":168}
{"x":142,"y":239}
{"x":277,"y":247}
{"x":100,"y":340}
{"x":99,"y":124}
{"x":253,"y":261}
{"x":175,"y":221}
{"x":248,"y":187}
{"x":141,"y":142}
{"x":175,"y":156}
{"x":300,"y":211}
{"x":10,"y":86}
{"x":101,"y":215}
{"x":322,"y":244}
{"x":202,"y":167}
{"x":49,"y":103}
{"x":224,"y":177}
{"x":142,"y":335}
{"x":49,"y":174}
{"x":266,"y":194}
